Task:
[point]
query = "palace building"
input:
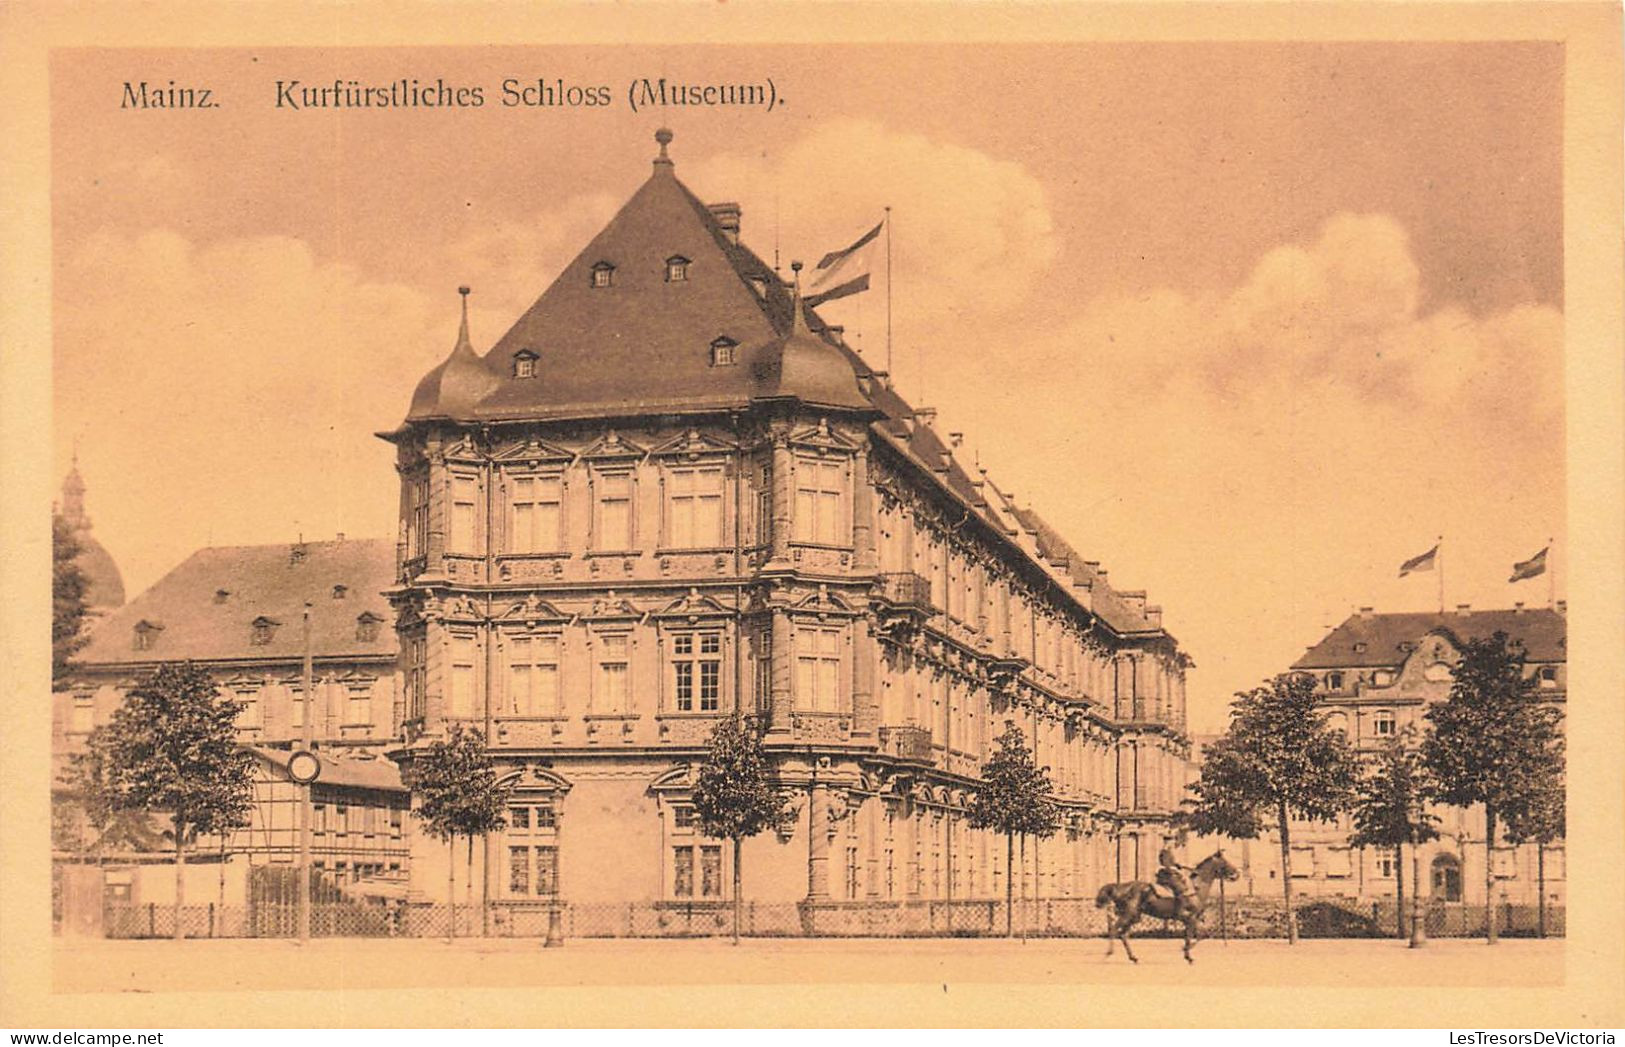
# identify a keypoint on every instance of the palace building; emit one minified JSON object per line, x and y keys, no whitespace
{"x":670,"y":492}
{"x":1377,"y":674}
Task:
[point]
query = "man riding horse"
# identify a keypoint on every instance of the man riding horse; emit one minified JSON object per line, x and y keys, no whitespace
{"x":1175,"y":877}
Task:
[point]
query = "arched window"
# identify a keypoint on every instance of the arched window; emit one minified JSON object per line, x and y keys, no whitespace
{"x":524,"y":364}
{"x":724,"y":352}
{"x":603,"y":274}
{"x":676,"y":269}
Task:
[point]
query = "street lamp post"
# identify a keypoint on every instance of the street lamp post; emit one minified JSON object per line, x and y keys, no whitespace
{"x":306,"y":738}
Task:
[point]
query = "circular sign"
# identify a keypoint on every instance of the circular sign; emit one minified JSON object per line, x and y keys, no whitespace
{"x":304,"y":767}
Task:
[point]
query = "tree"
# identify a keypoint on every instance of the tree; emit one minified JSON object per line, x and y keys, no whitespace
{"x":1539,"y":815}
{"x":1491,"y":743}
{"x":459,"y":796}
{"x":1278,"y":759}
{"x":68,"y":607}
{"x":734,"y":794}
{"x":1390,"y":810}
{"x":171,"y":747}
{"x":1014,"y":799}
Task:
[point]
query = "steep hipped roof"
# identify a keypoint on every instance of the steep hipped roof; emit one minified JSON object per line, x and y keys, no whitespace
{"x":206,"y":608}
{"x":1374,"y":640}
{"x":638,"y":342}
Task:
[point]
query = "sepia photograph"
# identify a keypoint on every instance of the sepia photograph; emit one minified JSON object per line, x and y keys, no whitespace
{"x":1073,"y":515}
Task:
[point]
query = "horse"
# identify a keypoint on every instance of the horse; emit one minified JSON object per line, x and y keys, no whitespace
{"x":1137,"y":898}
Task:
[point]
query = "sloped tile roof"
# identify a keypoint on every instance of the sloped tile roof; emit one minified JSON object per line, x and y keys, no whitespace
{"x":1374,"y":640}
{"x":376,"y":773}
{"x":259,"y":581}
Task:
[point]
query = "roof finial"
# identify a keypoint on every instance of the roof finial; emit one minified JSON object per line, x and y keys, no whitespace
{"x":462,"y":331}
{"x":797,"y":322}
{"x":663,"y":136}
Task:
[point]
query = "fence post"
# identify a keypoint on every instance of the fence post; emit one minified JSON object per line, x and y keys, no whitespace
{"x":211,"y":919}
{"x":152,"y":919}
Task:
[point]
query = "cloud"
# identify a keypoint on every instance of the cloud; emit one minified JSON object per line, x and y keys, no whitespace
{"x":972,"y":233}
{"x":510,"y":263}
{"x":1262,"y":456}
{"x":228,"y":390}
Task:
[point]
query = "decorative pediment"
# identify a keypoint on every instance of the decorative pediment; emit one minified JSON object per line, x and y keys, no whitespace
{"x":533,"y":608}
{"x":409,"y":614}
{"x":611,"y":446}
{"x":537,"y":777}
{"x":824,"y":601}
{"x":822,"y":437}
{"x":692,"y":605}
{"x":242,"y":679}
{"x":675,"y":779}
{"x":462,"y":449}
{"x":530,"y":450}
{"x":611,"y":606}
{"x":354,"y":677}
{"x":461,"y":608}
{"x":694,"y":443}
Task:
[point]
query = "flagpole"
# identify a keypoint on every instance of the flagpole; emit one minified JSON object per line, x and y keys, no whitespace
{"x":1551,"y":575}
{"x":888,"y":291}
{"x":1441,"y":574}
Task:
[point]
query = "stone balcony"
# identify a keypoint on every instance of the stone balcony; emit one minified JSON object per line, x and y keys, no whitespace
{"x":907,"y":743}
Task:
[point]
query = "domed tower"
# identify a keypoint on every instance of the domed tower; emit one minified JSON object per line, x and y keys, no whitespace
{"x":104,"y":585}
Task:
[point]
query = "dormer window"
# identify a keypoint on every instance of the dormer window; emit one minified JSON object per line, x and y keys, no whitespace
{"x":758,"y":283}
{"x":261,"y":630}
{"x":340,"y":591}
{"x":603,"y":274}
{"x":676,"y":269}
{"x":366,"y":627}
{"x":222,"y":595}
{"x":146,"y":635}
{"x":524,"y":364}
{"x":1360,"y":648}
{"x":724,"y":352}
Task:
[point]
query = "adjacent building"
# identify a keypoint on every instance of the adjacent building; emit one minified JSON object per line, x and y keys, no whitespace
{"x":238,"y":611}
{"x":669,"y":493}
{"x":1377,"y":674}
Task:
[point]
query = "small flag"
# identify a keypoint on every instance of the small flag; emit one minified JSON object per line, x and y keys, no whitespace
{"x":852,"y":286}
{"x":1531,"y":567}
{"x":840,"y":270}
{"x":1425,"y":562}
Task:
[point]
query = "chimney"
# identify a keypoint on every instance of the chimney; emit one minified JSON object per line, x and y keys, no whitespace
{"x":1463,"y":609}
{"x":926,"y":416}
{"x":1365,"y":612}
{"x":884,"y":378}
{"x":1562,"y":607}
{"x":955,"y":439}
{"x":341,"y":536}
{"x":1153,"y":615}
{"x":836,"y":330}
{"x":1517,"y":607}
{"x":727,"y":216}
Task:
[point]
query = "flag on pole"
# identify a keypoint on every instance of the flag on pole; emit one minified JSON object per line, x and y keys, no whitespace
{"x":844,"y":272}
{"x":1425,"y":562}
{"x":1531,"y":567}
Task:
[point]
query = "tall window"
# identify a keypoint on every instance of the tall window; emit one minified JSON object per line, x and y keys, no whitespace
{"x":819,"y":489}
{"x":83,"y":716}
{"x":533,"y":853}
{"x":358,"y":704}
{"x":533,"y":676}
{"x":613,"y":689}
{"x":708,"y":858}
{"x":694,"y":508}
{"x":614,"y":492}
{"x":416,"y":678}
{"x":818,"y":669}
{"x":463,"y":492}
{"x":1382,"y":723}
{"x":252,"y":714}
{"x":764,"y":671}
{"x":462,"y":677}
{"x":417,"y":517}
{"x":696,"y":660}
{"x":535,"y":514}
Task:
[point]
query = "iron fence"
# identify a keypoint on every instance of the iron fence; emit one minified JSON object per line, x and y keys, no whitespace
{"x":1247,"y":917}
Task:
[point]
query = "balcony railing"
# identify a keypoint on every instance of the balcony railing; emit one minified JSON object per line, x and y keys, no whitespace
{"x":906,"y":743}
{"x":907,"y":591}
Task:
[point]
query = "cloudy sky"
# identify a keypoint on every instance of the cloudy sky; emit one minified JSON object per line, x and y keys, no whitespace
{"x":1251,"y":323}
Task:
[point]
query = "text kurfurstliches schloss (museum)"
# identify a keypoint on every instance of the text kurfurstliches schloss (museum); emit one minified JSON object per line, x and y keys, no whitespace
{"x":407,"y":92}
